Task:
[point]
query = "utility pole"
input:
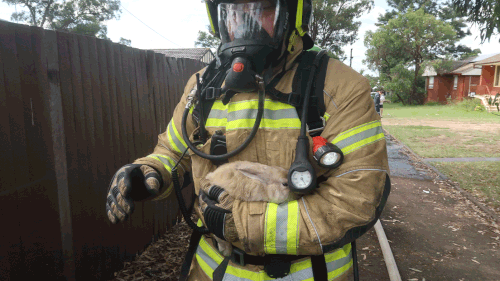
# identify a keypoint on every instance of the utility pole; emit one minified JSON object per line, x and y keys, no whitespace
{"x":350,"y":61}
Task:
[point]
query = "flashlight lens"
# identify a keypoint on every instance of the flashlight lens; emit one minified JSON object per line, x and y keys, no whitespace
{"x":330,"y":158}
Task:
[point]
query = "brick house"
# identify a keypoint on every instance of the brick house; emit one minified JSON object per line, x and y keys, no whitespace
{"x":474,"y":76}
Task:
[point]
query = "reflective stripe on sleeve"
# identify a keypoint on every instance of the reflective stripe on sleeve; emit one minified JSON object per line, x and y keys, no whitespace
{"x":167,"y":162}
{"x":337,"y":263}
{"x":174,"y":138}
{"x":282,"y":228}
{"x":357,"y":137}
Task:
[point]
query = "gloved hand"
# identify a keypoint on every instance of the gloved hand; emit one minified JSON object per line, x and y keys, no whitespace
{"x":216,"y":205}
{"x":132,"y":182}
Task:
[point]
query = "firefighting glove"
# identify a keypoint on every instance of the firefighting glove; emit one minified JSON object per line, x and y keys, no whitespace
{"x":132,"y":182}
{"x":216,"y":205}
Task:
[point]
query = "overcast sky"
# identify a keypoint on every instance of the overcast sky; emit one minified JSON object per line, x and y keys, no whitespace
{"x":175,"y":24}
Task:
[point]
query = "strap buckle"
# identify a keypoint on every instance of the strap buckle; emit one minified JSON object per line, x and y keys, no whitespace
{"x":238,"y":256}
{"x":212,"y":93}
{"x":318,"y":129}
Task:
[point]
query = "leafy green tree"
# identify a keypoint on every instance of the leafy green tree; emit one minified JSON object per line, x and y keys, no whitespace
{"x":334,"y":23}
{"x":85,"y":17}
{"x":125,"y":41}
{"x":443,"y":11}
{"x":408,"y":39}
{"x":207,"y":40}
{"x":483,"y":13}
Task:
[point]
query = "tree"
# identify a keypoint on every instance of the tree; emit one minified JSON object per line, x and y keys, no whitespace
{"x":207,"y":40}
{"x":443,"y":11}
{"x":406,"y":40}
{"x":85,"y":17}
{"x":484,"y":13}
{"x":334,"y":25}
{"x":124,"y":41}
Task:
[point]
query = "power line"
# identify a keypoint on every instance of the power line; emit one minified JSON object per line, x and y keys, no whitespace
{"x":149,"y":27}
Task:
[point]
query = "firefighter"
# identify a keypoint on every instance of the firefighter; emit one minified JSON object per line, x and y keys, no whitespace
{"x":263,"y":40}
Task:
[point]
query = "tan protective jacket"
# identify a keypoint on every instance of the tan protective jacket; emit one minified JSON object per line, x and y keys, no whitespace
{"x":319,"y":223}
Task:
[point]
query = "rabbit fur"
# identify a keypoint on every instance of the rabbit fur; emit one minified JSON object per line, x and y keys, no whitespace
{"x":250,"y":181}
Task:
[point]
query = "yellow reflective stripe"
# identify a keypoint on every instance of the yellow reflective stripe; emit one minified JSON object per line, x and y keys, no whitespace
{"x":210,"y":18}
{"x":209,"y":258}
{"x":212,"y":122}
{"x":282,"y":228}
{"x":174,"y":138}
{"x":292,"y":232}
{"x":348,"y":149}
{"x":165,"y":160}
{"x":359,"y":137}
{"x":270,"y":238}
{"x":254,"y":104}
{"x":290,"y":123}
{"x":326,"y":116}
{"x":219,"y":105}
{"x":298,"y":21}
{"x":357,"y":129}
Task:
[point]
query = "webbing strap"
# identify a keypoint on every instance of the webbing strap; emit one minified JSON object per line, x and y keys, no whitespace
{"x":319,"y":269}
{"x":193,"y":245}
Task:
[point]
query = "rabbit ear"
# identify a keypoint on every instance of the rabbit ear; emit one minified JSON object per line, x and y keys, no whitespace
{"x":249,"y":173}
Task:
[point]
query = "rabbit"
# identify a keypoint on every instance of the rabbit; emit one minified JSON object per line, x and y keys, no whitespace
{"x":249,"y":181}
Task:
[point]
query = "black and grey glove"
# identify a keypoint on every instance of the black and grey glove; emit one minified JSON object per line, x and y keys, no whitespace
{"x":132,"y":182}
{"x":216,"y":205}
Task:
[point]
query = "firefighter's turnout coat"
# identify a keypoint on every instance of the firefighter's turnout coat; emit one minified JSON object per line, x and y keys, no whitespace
{"x":346,"y":203}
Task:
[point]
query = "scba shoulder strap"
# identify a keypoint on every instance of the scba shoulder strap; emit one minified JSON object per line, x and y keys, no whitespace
{"x":299,"y":87}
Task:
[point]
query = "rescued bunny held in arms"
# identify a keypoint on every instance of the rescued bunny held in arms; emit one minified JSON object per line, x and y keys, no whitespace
{"x":249,"y":181}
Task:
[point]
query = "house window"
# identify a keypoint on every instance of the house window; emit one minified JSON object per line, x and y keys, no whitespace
{"x":497,"y":76}
{"x":455,"y":81}
{"x":431,"y":82}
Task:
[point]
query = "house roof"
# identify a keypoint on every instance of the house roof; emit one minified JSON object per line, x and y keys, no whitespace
{"x":466,"y":67}
{"x":190,"y":53}
{"x":495,"y":59}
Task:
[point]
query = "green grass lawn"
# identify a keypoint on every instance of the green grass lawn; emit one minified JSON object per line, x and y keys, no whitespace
{"x":442,"y":112}
{"x":435,"y":142}
{"x":475,"y":176}
{"x":459,"y":140}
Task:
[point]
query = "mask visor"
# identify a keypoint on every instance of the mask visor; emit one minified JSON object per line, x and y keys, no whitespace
{"x":256,"y":20}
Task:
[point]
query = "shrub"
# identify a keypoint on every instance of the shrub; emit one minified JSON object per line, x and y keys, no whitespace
{"x":471,"y":105}
{"x":433,"y":103}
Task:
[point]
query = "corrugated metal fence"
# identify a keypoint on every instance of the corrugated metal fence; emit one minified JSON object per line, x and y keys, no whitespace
{"x":73,"y":109}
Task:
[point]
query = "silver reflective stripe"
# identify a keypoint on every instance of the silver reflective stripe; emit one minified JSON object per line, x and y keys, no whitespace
{"x":175,"y":139}
{"x":359,"y":137}
{"x":229,"y":277}
{"x":205,"y":257}
{"x":281,"y":227}
{"x":217,"y":114}
{"x":336,"y":264}
{"x":164,"y":160}
{"x":268,"y":114}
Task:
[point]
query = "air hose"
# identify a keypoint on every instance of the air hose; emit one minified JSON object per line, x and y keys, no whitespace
{"x":180,"y":199}
{"x":226,"y":156}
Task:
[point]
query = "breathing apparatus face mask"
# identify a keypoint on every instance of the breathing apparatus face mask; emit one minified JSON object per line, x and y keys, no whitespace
{"x":252,"y":33}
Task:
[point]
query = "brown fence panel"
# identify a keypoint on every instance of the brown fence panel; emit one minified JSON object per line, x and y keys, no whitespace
{"x":73,"y":109}
{"x":13,"y":153}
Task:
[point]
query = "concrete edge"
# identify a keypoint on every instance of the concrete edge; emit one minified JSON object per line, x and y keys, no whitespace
{"x":442,"y":176}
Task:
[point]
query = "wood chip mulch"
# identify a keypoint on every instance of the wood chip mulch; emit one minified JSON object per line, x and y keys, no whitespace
{"x":162,"y":260}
